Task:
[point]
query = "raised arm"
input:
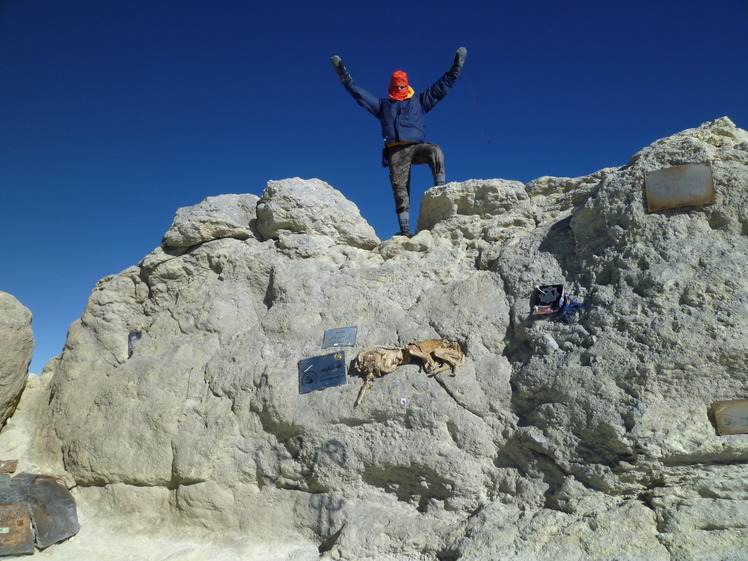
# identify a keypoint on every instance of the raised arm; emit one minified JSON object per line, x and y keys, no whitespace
{"x":439,"y":89}
{"x":365,"y":99}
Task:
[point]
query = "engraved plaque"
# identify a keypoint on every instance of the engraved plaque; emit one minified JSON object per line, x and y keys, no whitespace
{"x":731,"y":416}
{"x":52,"y":507}
{"x":679,"y":186}
{"x":320,"y":372}
{"x":132,"y":338}
{"x":340,"y":337}
{"x":16,"y":535}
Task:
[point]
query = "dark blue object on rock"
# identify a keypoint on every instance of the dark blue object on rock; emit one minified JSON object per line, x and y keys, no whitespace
{"x":568,"y":308}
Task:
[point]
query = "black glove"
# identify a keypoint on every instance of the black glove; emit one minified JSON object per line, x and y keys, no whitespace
{"x":460,"y":57}
{"x":339,"y":67}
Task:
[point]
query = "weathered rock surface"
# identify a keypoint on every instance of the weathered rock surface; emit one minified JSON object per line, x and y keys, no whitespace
{"x":227,"y":216}
{"x":312,"y":207}
{"x":587,"y":441}
{"x":16,"y":351}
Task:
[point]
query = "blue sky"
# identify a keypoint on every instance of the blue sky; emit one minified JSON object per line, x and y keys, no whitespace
{"x":113,"y":114}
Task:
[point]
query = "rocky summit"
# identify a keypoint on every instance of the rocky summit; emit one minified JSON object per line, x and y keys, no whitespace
{"x":175,"y":412}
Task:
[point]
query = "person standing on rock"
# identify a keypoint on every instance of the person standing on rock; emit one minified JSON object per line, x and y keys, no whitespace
{"x":402,"y":118}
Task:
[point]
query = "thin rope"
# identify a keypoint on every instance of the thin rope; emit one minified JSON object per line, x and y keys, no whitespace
{"x":477,"y":110}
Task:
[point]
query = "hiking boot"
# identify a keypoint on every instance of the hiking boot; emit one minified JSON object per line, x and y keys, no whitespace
{"x":403,"y":218}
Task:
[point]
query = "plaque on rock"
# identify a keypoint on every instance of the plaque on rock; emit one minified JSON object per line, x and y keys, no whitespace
{"x":340,"y":337}
{"x":679,"y":186}
{"x":132,"y":338}
{"x":16,"y":532}
{"x":731,"y":416}
{"x":52,"y":507}
{"x":320,"y":372}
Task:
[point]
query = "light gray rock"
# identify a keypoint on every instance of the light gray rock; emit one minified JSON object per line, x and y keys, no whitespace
{"x":16,"y":351}
{"x":592,"y":440}
{"x":227,"y":216}
{"x":312,"y":207}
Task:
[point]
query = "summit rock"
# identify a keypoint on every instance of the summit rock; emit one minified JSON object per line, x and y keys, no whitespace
{"x":175,"y":405}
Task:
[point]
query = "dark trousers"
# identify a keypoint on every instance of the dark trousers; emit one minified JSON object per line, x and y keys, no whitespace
{"x":401,"y":158}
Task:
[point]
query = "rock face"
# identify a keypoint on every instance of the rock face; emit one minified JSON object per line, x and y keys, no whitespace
{"x":16,"y":351}
{"x":227,"y":216}
{"x":590,"y":441}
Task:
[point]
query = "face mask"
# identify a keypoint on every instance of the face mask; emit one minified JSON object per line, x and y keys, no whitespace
{"x":399,"y":78}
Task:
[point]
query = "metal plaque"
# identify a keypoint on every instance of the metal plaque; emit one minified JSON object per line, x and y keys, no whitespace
{"x":16,"y":532}
{"x":132,"y":338}
{"x":320,"y":372}
{"x":52,"y":507}
{"x":8,"y":466}
{"x":679,"y":186}
{"x":340,"y":337}
{"x":731,"y":416}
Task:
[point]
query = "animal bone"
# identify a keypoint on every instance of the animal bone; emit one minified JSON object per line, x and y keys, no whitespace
{"x":437,"y":355}
{"x":376,"y":362}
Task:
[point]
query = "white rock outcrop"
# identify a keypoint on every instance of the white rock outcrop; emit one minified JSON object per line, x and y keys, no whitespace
{"x":586,"y":441}
{"x":313,"y":207}
{"x":227,"y":216}
{"x":16,"y":351}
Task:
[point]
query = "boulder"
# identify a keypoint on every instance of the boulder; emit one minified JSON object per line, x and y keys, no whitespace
{"x":16,"y":351}
{"x":227,"y":216}
{"x":312,"y":207}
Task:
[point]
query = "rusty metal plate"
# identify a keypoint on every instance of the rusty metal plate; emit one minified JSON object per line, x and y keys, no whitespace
{"x":52,"y":507}
{"x":16,"y":532}
{"x":679,"y":186}
{"x":731,"y":416}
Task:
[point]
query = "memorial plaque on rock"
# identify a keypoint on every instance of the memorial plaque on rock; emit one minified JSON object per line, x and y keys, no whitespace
{"x":52,"y":507}
{"x":320,"y":372}
{"x":731,"y":416}
{"x":16,"y":534}
{"x":340,"y":337}
{"x":132,"y":338}
{"x":679,"y":186}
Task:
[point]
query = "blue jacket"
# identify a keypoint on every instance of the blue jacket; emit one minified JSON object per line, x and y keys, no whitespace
{"x":402,"y":121}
